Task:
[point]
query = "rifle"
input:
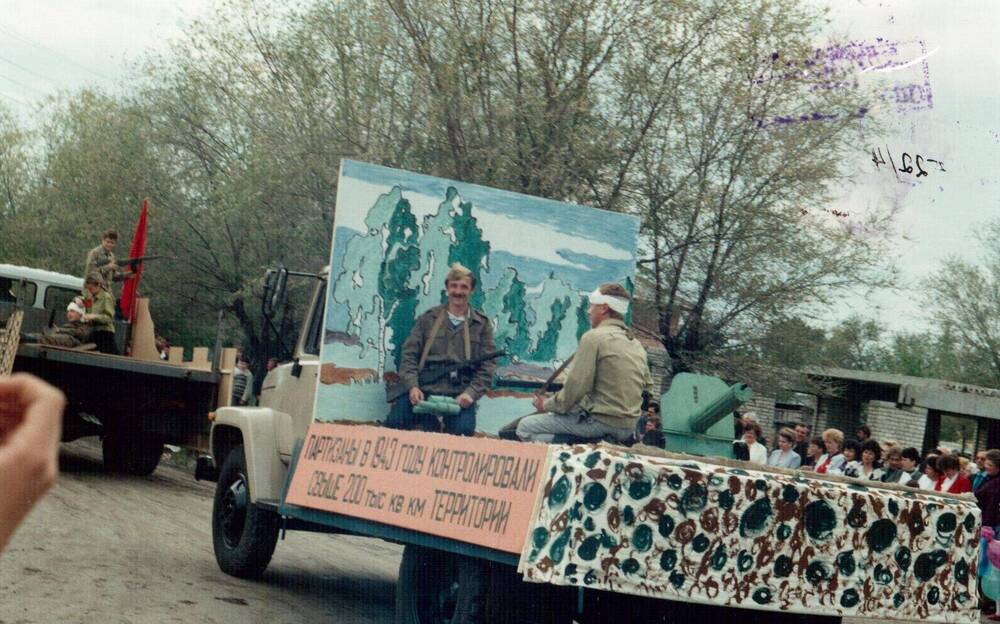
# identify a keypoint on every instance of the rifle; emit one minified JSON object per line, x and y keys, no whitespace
{"x":131,"y":262}
{"x":431,"y":375}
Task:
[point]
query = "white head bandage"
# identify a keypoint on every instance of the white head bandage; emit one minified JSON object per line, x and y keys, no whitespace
{"x":617,"y":304}
{"x":75,"y":307}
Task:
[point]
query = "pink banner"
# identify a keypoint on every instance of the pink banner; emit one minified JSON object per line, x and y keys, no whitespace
{"x":475,"y":490}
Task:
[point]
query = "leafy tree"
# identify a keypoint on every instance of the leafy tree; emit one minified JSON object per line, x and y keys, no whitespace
{"x":856,"y":343}
{"x":965,"y":297}
{"x":732,"y":201}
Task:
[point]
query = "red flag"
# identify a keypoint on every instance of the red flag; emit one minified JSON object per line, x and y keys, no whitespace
{"x":138,"y":250}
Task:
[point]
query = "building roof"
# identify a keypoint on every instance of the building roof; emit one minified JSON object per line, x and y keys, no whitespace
{"x":937,"y":394}
{"x":892,"y":379}
{"x":40,"y":275}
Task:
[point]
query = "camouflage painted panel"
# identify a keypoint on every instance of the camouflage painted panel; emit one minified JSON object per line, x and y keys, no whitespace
{"x":701,"y":532}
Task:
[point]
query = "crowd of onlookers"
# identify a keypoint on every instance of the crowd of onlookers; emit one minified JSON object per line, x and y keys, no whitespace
{"x":862,"y":457}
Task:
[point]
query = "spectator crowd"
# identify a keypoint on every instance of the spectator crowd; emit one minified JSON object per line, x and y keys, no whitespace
{"x":863,"y":457}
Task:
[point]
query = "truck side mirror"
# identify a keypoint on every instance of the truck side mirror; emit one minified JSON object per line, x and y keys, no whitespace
{"x":275,"y":283}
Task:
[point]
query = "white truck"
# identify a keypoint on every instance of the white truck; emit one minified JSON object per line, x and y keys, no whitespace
{"x":502,"y":531}
{"x":135,"y":403}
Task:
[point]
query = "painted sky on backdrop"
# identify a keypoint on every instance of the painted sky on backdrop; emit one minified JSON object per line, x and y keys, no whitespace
{"x":52,"y":45}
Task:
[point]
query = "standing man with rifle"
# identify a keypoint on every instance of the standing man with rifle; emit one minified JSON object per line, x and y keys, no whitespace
{"x":101,"y":260}
{"x":444,"y":336}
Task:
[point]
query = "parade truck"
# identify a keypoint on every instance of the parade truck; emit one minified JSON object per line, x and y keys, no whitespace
{"x":136,"y":402}
{"x":495,"y":530}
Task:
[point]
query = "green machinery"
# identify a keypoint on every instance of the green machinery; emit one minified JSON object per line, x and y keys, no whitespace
{"x":697,"y":414}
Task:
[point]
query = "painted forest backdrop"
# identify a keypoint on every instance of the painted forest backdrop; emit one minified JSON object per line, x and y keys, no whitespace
{"x":395,"y":237}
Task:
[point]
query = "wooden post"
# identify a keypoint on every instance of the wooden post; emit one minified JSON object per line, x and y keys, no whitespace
{"x":9,"y":340}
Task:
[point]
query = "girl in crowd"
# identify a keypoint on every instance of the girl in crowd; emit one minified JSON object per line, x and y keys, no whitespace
{"x":832,"y":460}
{"x":951,"y":480}
{"x":751,"y":434}
{"x":852,"y":457}
{"x":785,"y":456}
{"x":931,"y":474}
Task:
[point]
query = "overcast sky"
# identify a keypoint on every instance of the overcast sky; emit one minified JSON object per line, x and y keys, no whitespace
{"x":48,"y":45}
{"x":940,"y":212}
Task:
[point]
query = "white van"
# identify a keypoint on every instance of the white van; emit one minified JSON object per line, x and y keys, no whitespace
{"x":46,"y":290}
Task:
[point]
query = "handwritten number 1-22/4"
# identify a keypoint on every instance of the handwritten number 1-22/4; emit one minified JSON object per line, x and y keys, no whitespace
{"x":911,"y":164}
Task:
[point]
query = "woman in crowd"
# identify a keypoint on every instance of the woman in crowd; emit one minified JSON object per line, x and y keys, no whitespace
{"x":931,"y":474}
{"x":951,"y":479}
{"x":813,"y":452}
{"x":988,"y":498}
{"x":751,"y":434}
{"x":988,"y":494}
{"x":870,"y":465}
{"x":852,"y":457}
{"x":785,"y":456}
{"x":832,"y":460}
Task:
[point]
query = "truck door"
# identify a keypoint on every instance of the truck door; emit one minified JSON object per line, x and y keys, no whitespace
{"x":291,"y":387}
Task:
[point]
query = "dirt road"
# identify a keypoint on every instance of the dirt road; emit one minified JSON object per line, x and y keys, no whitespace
{"x":111,"y":549}
{"x":128,"y":550}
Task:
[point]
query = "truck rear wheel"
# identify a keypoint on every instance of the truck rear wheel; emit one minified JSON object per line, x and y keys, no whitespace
{"x":135,"y":454}
{"x":243,"y":535}
{"x":436,"y":587}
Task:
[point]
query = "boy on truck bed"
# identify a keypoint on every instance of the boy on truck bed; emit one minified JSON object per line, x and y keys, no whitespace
{"x":101,"y":260}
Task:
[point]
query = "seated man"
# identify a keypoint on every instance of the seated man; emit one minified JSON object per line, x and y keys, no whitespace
{"x":602,"y":394}
{"x":446,"y":334}
{"x":73,"y":333}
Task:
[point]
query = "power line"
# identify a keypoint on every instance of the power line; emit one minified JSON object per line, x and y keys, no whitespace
{"x":27,"y":71}
{"x":22,"y":85}
{"x":51,"y":50}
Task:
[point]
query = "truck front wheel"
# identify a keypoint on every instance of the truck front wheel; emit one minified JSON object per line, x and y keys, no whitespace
{"x":244,"y":535}
{"x":437,"y":587}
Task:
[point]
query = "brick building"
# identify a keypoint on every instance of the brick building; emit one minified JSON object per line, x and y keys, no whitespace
{"x":912,"y":411}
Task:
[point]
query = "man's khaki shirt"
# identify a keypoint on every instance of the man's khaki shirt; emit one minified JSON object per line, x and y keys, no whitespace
{"x":448,"y":348}
{"x":606,"y":378}
{"x":102,"y":262}
{"x":103,"y":305}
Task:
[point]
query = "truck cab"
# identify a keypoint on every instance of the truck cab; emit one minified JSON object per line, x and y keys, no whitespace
{"x":266,"y":434}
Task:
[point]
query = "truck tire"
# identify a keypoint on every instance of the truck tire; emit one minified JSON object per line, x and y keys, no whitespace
{"x":135,"y":454}
{"x":243,"y":534}
{"x":436,"y":587}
